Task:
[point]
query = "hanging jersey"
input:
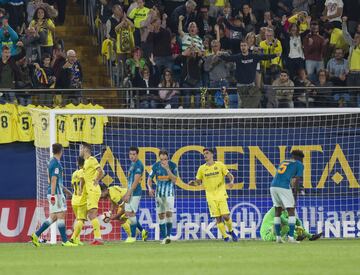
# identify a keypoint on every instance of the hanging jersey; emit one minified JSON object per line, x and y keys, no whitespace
{"x":93,"y":130}
{"x":8,"y":123}
{"x":75,"y":124}
{"x":25,"y":128}
{"x":40,"y":121}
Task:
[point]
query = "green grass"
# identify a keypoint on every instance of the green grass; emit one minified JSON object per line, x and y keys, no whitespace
{"x":197,"y":257}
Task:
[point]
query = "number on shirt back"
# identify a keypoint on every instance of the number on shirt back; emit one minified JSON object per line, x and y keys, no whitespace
{"x":4,"y":122}
{"x":92,"y":122}
{"x":283,"y":167}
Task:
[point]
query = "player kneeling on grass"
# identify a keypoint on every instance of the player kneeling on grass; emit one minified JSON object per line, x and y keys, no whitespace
{"x":212,"y":176}
{"x":56,"y":198}
{"x":290,"y":170}
{"x":165,"y":173}
{"x":267,"y":232}
{"x":78,"y":201}
{"x":117,"y":209}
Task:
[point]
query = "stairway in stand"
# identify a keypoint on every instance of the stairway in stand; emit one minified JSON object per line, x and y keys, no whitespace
{"x":76,"y":35}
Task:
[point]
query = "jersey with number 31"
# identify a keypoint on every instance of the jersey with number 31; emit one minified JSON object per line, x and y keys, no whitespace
{"x":287,"y":170}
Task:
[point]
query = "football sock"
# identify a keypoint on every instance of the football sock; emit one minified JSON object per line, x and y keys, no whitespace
{"x":77,"y":229}
{"x":292,"y":221}
{"x":222,"y":229}
{"x":162,"y":229}
{"x":229,"y":224}
{"x":277,"y":224}
{"x":126,"y":227}
{"x":169,"y":226}
{"x":138,"y":225}
{"x":44,"y":226}
{"x":62,"y":230}
{"x":96,"y":226}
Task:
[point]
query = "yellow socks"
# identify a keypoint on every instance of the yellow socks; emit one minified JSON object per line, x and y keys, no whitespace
{"x":229,"y":225}
{"x":126,"y":227}
{"x":96,"y":226}
{"x":77,"y":229}
{"x":222,"y":229}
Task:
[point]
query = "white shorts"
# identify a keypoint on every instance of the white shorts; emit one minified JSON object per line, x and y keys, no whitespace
{"x":60,"y":204}
{"x":133,"y":204}
{"x":282,"y":197}
{"x":164,"y":204}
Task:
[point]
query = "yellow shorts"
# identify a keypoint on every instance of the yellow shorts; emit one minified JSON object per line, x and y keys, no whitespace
{"x":218,"y":208}
{"x":80,"y":211}
{"x":92,"y":200}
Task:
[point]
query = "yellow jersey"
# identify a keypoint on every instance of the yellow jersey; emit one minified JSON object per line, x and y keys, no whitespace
{"x":78,"y":198}
{"x":93,"y":130}
{"x":355,"y":59}
{"x":90,"y":172}
{"x":40,"y":121}
{"x":8,"y":123}
{"x":274,"y":48}
{"x":116,"y":193}
{"x":213,"y":180}
{"x":139,"y":15}
{"x":50,"y":40}
{"x":61,"y":130}
{"x":74,"y":124}
{"x":337,"y":39}
{"x":25,"y":130}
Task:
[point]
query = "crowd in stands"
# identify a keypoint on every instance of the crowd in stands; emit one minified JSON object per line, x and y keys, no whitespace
{"x":213,"y":43}
{"x":32,"y":56}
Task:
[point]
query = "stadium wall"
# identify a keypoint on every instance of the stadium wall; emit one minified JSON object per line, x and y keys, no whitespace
{"x":329,"y":203}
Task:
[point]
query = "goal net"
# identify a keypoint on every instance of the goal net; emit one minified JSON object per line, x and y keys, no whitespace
{"x":250,"y":142}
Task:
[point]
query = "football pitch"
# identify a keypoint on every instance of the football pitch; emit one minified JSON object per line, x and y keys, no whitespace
{"x":191,"y":257}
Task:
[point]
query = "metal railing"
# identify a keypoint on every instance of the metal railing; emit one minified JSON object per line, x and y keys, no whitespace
{"x":233,"y":97}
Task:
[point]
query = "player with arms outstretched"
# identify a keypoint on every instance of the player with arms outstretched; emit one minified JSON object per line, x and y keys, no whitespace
{"x":92,"y":175}
{"x":78,"y":200}
{"x":212,"y":176}
{"x":56,"y":198}
{"x":289,"y":171}
{"x":165,"y":173}
{"x":133,"y":195}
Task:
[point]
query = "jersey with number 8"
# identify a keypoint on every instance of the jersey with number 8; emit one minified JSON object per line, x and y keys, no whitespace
{"x":286,"y":171}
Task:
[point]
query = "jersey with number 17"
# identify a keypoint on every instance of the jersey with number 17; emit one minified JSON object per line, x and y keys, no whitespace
{"x":287,"y":170}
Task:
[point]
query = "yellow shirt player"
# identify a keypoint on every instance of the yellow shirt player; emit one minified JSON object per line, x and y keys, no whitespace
{"x":117,"y":210}
{"x":92,"y":174}
{"x":8,"y":123}
{"x":78,"y":201}
{"x":212,"y":177}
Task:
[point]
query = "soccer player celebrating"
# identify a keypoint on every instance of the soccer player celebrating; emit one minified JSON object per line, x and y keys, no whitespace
{"x":133,"y":195}
{"x":56,"y":198}
{"x":212,"y":176}
{"x":78,"y":200}
{"x":92,"y":174}
{"x":267,"y":228}
{"x":290,"y":170}
{"x":165,"y":173}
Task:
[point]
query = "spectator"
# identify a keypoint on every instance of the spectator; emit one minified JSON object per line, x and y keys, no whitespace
{"x":284,"y":7}
{"x":253,"y":48}
{"x":216,"y":8}
{"x":9,"y":72}
{"x":351,"y":9}
{"x":139,"y":13}
{"x":125,"y":43}
{"x":24,"y":81}
{"x":61,"y":6}
{"x":175,"y":48}
{"x":338,"y":68}
{"x":323,"y":97}
{"x":188,"y":13}
{"x":190,"y":39}
{"x":219,"y":72}
{"x":169,"y":98}
{"x":301,"y":5}
{"x":260,"y":7}
{"x":293,"y":50}
{"x":44,"y":73}
{"x":8,"y":37}
{"x":336,"y":40}
{"x":284,"y":98}
{"x":191,"y":75}
{"x":136,"y":61}
{"x":303,"y":97}
{"x":236,"y":32}
{"x":148,"y":77}
{"x":249,"y":18}
{"x":159,"y":40}
{"x":45,"y":28}
{"x":333,"y":12}
{"x":314,"y":45}
{"x":246,"y":64}
{"x":33,"y":5}
{"x":16,"y":10}
{"x":354,"y":59}
{"x":71,"y":76}
{"x":104,"y":9}
{"x":114,"y":21}
{"x":31,"y":41}
{"x":301,"y":19}
{"x":205,"y":22}
{"x":267,"y":22}
{"x":271,"y":45}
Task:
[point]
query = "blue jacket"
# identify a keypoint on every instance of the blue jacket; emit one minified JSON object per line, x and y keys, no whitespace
{"x":9,"y":41}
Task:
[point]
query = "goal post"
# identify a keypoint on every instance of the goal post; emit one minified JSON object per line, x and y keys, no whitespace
{"x":251,"y":142}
